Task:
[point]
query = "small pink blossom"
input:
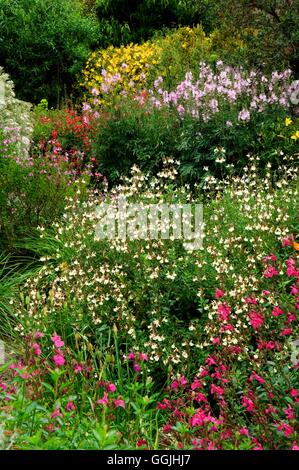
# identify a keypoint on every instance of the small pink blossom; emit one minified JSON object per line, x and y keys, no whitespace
{"x":223,"y":312}
{"x":219,"y":293}
{"x":59,"y":360}
{"x":56,"y":413}
{"x":70,"y":406}
{"x":256,"y":319}
{"x":119,"y":403}
{"x":277,"y":311}
{"x":143,"y":357}
{"x":36,"y":349}
{"x":286,"y":332}
{"x":111,"y":387}
{"x":58,"y":343}
{"x":136,"y":367}
{"x":104,"y":400}
{"x":256,"y":377}
{"x":270,"y":272}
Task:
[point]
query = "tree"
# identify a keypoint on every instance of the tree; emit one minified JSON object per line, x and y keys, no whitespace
{"x":43,"y":45}
{"x":269,"y":27}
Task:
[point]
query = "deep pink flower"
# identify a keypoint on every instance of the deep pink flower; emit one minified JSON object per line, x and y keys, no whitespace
{"x":248,"y":404}
{"x":287,"y":241}
{"x":131,"y":356}
{"x":269,"y":258}
{"x":183,"y":380}
{"x":56,"y":413}
{"x":38,"y":335}
{"x":70,"y":406}
{"x":294,"y":392}
{"x":111,"y":387}
{"x":217,"y":390}
{"x":78,"y":368}
{"x":256,"y":319}
{"x":286,"y":332}
{"x":286,"y":429}
{"x":289,"y":412}
{"x":58,"y":343}
{"x":270,"y":272}
{"x":294,"y":290}
{"x":219,"y":293}
{"x":136,"y":367}
{"x":277,"y":311}
{"x":291,"y":317}
{"x":119,"y":403}
{"x":210,"y":361}
{"x":251,"y":300}
{"x":216,"y":340}
{"x":104,"y":400}
{"x":256,"y":377}
{"x":295,"y":446}
{"x":59,"y":359}
{"x":196,"y":384}
{"x":223,"y":312}
{"x":36,"y":349}
{"x":143,"y":357}
{"x":244,"y":432}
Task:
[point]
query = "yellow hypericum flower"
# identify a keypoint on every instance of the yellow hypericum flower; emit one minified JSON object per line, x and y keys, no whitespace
{"x":288,"y":121}
{"x":295,"y":136}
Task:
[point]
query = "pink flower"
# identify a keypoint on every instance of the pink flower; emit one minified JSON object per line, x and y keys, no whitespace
{"x":269,"y":258}
{"x":248,"y":404}
{"x":175,"y":385}
{"x":277,"y":311}
{"x":256,"y":377}
{"x":291,"y":270}
{"x":56,"y":413}
{"x":217,"y":390}
{"x":289,"y":412}
{"x":59,"y":359}
{"x":266,"y":292}
{"x":244,"y":432}
{"x":210,"y":361}
{"x":256,"y":319}
{"x":183,"y":380}
{"x":294,"y":290}
{"x":136,"y":367}
{"x":291,"y":317}
{"x":270,"y":272}
{"x":143,"y":357}
{"x":286,"y":332}
{"x":78,"y":368}
{"x":251,"y":300}
{"x":58,"y":343}
{"x":38,"y":335}
{"x":131,"y":356}
{"x":295,"y":446}
{"x":294,"y":392}
{"x":70,"y":406}
{"x":111,"y":387}
{"x":216,"y":340}
{"x":104,"y":400}
{"x":119,"y":403}
{"x":286,"y":428}
{"x":196,"y":384}
{"x":223,"y":312}
{"x":219,"y":293}
{"x":287,"y":241}
{"x":36,"y":349}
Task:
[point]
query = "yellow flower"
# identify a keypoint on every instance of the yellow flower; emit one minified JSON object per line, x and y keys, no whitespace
{"x":288,"y":121}
{"x":295,"y":136}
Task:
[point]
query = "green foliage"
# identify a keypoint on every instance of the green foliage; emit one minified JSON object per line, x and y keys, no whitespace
{"x":43,"y":45}
{"x":270,"y":29}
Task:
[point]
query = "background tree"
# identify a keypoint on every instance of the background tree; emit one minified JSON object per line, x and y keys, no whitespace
{"x":270,"y":29}
{"x":43,"y":44}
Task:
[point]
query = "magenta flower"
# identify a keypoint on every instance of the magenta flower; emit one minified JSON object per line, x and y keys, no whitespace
{"x":219,"y":293}
{"x":104,"y":400}
{"x":119,"y":403}
{"x":56,"y":413}
{"x":58,"y":343}
{"x":36,"y":349}
{"x":136,"y":367}
{"x":59,"y":359}
{"x":256,"y":377}
{"x":70,"y":406}
{"x":256,"y":319}
{"x":143,"y":357}
{"x":223,"y":312}
{"x":111,"y":387}
{"x":270,"y":272}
